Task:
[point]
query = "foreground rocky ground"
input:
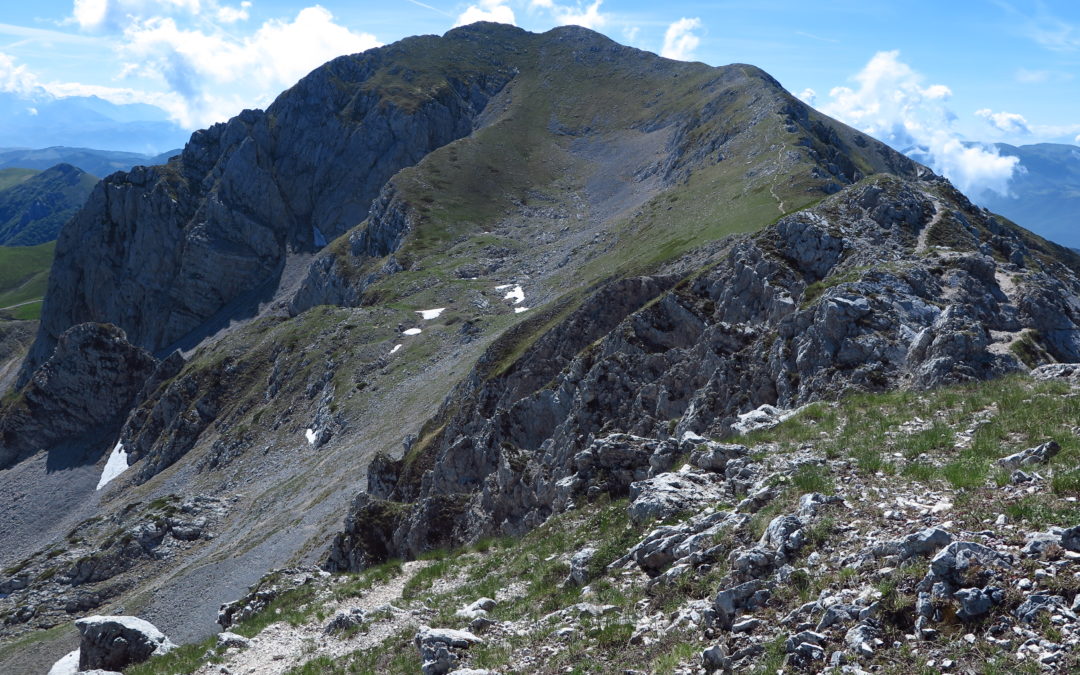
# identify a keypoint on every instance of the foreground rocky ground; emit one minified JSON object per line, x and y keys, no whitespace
{"x":893,"y":533}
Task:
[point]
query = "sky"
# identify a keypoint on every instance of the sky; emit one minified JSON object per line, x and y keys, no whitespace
{"x":922,"y":74}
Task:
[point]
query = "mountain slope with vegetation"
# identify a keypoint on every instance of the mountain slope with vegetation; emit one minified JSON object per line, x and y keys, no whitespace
{"x":499,"y":287}
{"x":33,"y":210}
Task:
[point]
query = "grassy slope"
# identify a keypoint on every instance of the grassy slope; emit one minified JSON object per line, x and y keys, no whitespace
{"x":10,"y":177}
{"x":24,"y":273}
{"x":33,"y":211}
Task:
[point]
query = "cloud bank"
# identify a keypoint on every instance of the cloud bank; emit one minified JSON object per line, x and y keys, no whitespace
{"x":890,"y":102}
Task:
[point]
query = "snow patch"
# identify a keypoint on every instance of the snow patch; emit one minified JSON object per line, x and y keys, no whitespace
{"x":519,"y":310}
{"x":428,"y":314}
{"x":116,"y":465}
{"x":310,"y":435}
{"x":396,"y":347}
{"x":412,"y":331}
{"x":516,"y":294}
{"x":503,"y":287}
{"x":67,"y":665}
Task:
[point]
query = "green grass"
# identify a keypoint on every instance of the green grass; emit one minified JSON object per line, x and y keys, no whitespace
{"x":24,"y":274}
{"x":10,"y":177}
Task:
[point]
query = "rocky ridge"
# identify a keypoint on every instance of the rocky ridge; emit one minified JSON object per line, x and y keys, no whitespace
{"x":855,"y":293}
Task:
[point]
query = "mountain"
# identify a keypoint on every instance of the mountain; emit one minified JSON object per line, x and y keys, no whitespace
{"x":33,"y":211}
{"x":39,"y":119}
{"x":486,"y":301}
{"x":95,"y":162}
{"x":1045,"y":192}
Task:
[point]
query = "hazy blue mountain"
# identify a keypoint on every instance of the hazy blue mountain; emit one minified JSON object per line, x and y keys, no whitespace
{"x":42,"y":120}
{"x":97,"y":162}
{"x":33,"y":210}
{"x":1046,"y":194}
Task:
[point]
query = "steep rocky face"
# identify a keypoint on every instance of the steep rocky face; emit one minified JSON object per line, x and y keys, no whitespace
{"x":855,"y":293}
{"x":89,"y":382}
{"x":160,"y":250}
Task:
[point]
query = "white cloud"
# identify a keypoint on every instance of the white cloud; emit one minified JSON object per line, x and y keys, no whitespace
{"x":680,"y":40}
{"x":226,"y":14}
{"x":216,"y":74}
{"x":1010,"y":123}
{"x":15,"y":78}
{"x":588,"y":17}
{"x":807,"y":96}
{"x":487,"y":10}
{"x":114,"y":15}
{"x":1077,"y":139}
{"x":891,"y":104}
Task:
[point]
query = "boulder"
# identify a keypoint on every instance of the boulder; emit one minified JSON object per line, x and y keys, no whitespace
{"x":1040,"y":454}
{"x":670,"y":493}
{"x":116,"y":642}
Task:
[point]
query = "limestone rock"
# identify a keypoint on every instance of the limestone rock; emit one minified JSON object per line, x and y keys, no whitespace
{"x":116,"y":642}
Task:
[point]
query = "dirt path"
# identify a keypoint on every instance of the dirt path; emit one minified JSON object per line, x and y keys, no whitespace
{"x":280,"y":646}
{"x":20,"y":304}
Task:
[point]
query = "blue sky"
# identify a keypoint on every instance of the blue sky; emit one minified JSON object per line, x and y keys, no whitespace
{"x":916,"y":73}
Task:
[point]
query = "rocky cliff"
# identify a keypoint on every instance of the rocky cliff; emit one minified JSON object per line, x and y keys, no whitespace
{"x":889,"y":283}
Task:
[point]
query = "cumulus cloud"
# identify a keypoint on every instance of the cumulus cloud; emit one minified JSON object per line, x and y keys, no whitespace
{"x":487,"y":10}
{"x":891,"y":103}
{"x":217,"y":74}
{"x":680,"y":41}
{"x":807,"y":96}
{"x":14,"y":78}
{"x":1010,"y":123}
{"x":114,"y":15}
{"x":228,"y":14}
{"x":1077,"y":139}
{"x":588,"y":16}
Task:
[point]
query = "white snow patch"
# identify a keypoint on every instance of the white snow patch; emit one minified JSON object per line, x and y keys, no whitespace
{"x":503,"y":287}
{"x":67,"y":665}
{"x":516,"y":294}
{"x":116,"y":465}
{"x":396,"y":347}
{"x":412,"y":331}
{"x":428,"y":314}
{"x":519,"y":310}
{"x":310,"y":435}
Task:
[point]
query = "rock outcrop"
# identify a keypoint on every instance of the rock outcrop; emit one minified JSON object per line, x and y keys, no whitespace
{"x":116,"y":642}
{"x":88,"y":384}
{"x":849,"y":294}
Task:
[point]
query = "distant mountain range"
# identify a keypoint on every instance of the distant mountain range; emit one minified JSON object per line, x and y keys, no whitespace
{"x":33,"y":209}
{"x":38,"y":120}
{"x":97,"y":162}
{"x":1046,"y":193}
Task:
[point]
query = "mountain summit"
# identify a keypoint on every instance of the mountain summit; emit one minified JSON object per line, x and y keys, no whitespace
{"x":469,"y":286}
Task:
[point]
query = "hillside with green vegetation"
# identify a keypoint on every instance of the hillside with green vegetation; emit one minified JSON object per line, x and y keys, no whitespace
{"x":33,"y":210}
{"x":11,"y":177}
{"x":24,"y":276}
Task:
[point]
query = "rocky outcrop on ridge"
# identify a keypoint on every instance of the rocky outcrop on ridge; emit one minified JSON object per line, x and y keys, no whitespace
{"x":89,"y":382}
{"x":858,"y":292}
